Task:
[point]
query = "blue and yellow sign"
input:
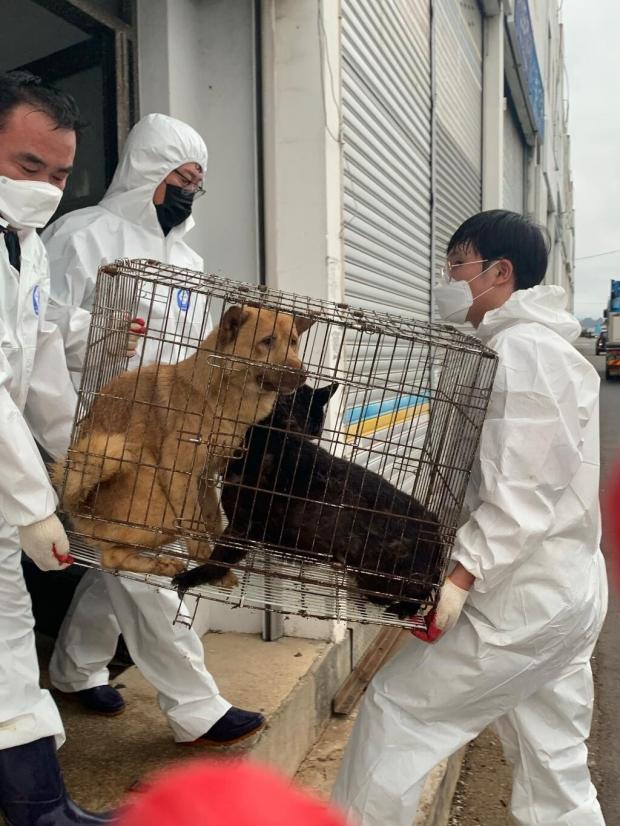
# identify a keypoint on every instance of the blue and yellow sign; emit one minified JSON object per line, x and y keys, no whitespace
{"x":365,"y":420}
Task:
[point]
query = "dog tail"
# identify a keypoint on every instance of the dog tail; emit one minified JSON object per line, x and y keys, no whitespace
{"x":96,"y":458}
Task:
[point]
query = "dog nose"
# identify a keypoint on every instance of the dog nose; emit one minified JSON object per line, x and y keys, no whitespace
{"x":298,"y":376}
{"x":291,"y":380}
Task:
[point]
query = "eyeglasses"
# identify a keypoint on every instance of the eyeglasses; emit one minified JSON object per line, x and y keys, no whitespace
{"x":187,"y":185}
{"x":446,"y":270}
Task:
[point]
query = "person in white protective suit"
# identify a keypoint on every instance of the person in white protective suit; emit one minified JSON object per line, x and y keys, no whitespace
{"x":145,"y":213}
{"x":37,"y":146}
{"x":520,"y":613}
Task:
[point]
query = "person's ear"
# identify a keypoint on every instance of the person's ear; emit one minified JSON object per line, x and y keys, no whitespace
{"x":505,"y":272}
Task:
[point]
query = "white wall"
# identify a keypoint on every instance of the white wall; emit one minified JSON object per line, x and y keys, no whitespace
{"x":492,"y":112}
{"x":303,"y":174}
{"x":197,"y":63}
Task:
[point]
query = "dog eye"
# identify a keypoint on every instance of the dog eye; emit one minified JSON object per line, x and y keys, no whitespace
{"x":268,"y":341}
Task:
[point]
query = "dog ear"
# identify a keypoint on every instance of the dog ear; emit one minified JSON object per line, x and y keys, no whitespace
{"x":302,"y":323}
{"x":230,"y":324}
{"x":324,"y":394}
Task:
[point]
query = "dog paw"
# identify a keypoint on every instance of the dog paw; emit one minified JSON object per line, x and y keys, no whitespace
{"x":229,"y":580}
{"x":168,"y":566}
{"x":181,"y":583}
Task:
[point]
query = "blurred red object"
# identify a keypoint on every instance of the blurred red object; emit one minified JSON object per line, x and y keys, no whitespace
{"x":224,"y":793}
{"x":611,"y":513}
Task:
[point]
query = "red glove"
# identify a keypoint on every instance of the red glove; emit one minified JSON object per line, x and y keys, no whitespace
{"x":46,"y":543}
{"x":445,"y":615}
{"x":137,"y":328}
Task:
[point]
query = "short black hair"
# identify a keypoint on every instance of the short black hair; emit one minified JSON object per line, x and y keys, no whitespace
{"x":499,"y":233}
{"x":21,"y":87}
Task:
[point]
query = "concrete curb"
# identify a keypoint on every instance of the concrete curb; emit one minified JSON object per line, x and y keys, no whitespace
{"x":300,"y":719}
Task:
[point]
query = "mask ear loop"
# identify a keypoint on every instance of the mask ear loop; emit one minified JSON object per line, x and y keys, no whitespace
{"x":492,"y":287}
{"x":488,"y":290}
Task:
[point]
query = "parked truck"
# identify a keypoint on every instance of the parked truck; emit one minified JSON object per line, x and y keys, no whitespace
{"x":612,"y":347}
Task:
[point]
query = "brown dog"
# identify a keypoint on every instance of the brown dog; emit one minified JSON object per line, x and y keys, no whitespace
{"x":152,"y":434}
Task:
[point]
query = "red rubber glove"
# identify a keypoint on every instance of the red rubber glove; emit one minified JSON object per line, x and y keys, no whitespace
{"x":46,"y":543}
{"x":137,"y":328}
{"x":444,"y":617}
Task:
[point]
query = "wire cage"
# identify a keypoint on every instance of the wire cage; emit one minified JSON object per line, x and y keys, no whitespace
{"x":271,"y":450}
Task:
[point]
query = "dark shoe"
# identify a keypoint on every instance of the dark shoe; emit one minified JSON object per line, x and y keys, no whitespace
{"x":32,"y":791}
{"x":103,"y":699}
{"x":122,"y":658}
{"x":235,"y":725}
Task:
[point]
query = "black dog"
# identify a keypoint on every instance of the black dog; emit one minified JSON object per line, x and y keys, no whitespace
{"x":289,"y":492}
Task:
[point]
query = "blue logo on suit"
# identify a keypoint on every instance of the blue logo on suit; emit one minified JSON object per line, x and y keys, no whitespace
{"x":183,"y":299}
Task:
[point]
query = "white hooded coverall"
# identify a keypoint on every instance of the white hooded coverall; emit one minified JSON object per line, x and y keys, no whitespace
{"x":519,"y":656}
{"x":36,"y":397}
{"x":125,"y":225}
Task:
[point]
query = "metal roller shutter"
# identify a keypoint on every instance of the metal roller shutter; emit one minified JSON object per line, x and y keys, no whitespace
{"x":458,"y":156}
{"x":386,"y":105}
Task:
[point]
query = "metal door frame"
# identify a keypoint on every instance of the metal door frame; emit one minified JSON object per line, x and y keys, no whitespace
{"x":121,"y":67}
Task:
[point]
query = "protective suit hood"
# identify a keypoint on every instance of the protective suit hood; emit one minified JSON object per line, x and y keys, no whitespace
{"x":156,"y":146}
{"x":124,"y":224}
{"x":543,"y":304}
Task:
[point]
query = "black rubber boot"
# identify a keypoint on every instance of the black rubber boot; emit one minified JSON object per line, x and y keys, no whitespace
{"x":32,"y":791}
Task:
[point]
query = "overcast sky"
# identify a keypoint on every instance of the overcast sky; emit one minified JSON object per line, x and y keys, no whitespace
{"x":591,"y":36}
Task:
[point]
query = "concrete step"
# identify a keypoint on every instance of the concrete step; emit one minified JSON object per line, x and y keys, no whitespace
{"x":291,"y":681}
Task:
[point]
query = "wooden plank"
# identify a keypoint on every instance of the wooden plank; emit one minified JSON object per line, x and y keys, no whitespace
{"x":357,"y":681}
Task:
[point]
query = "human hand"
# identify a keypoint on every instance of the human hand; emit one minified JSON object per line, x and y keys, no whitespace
{"x":445,"y":615}
{"x":46,"y":543}
{"x":137,"y":328}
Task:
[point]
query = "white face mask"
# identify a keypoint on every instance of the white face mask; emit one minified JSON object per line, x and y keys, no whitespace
{"x":27,"y":203}
{"x":454,"y":298}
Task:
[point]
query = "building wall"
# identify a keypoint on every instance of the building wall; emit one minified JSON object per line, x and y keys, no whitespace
{"x":554,"y":200}
{"x":197,"y":63}
{"x":548,"y":182}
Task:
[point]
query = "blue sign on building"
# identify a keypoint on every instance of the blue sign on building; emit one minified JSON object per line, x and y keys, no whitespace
{"x":530,"y":68}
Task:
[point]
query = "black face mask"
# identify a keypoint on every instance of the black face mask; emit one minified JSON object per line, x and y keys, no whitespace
{"x":176,"y":207}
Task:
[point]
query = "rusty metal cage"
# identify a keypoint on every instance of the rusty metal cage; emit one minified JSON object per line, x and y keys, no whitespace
{"x":310,"y":457}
